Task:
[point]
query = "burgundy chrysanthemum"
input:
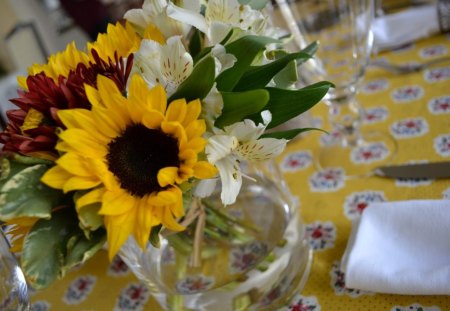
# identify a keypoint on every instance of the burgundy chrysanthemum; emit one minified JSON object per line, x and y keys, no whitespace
{"x":45,"y":97}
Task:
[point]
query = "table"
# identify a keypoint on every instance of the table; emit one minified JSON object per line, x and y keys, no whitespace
{"x":415,"y":108}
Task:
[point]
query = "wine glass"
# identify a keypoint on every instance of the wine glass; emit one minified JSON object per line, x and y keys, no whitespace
{"x":343,"y":30}
{"x":13,"y":287}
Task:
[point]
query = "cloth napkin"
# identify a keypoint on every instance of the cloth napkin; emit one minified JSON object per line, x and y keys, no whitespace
{"x":394,"y":30}
{"x":400,"y":248}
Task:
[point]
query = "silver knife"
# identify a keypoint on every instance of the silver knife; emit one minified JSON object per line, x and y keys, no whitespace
{"x":415,"y":171}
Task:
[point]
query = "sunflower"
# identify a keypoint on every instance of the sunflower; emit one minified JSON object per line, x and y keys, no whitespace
{"x":59,"y":64}
{"x":131,"y":154}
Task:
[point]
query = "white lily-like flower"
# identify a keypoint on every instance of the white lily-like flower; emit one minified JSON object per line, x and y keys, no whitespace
{"x":240,"y":142}
{"x":169,"y":64}
{"x":223,"y":60}
{"x":220,"y":17}
{"x":154,"y":12}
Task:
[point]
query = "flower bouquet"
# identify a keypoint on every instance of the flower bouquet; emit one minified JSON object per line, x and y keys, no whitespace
{"x":116,"y":141}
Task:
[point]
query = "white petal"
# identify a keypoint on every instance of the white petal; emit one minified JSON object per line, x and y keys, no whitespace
{"x":205,"y":188}
{"x":147,"y":62}
{"x":218,"y":31}
{"x":154,"y":7}
{"x":223,"y":11}
{"x":247,"y":130}
{"x":176,"y":63}
{"x":187,"y":16}
{"x":212,"y":106}
{"x":220,"y":146}
{"x":231,"y":178}
{"x":136,"y":17}
{"x":261,"y":149}
{"x":226,"y":60}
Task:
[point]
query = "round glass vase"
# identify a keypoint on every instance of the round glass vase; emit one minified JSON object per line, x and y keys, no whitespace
{"x":253,"y":253}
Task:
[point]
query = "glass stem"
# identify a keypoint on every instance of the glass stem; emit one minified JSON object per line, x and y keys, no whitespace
{"x":345,"y":117}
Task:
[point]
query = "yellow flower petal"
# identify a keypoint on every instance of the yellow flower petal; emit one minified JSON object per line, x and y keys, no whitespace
{"x":195,"y":129}
{"x":56,"y":177}
{"x":152,"y":119}
{"x":117,"y":203}
{"x":153,"y":33}
{"x":74,"y":164}
{"x":157,"y":98}
{"x":80,"y":183}
{"x":194,"y":108}
{"x":176,"y":111}
{"x":118,"y":230}
{"x":91,"y":197}
{"x":175,"y":129}
{"x":197,"y":144}
{"x":167,"y":176}
{"x":169,"y":222}
{"x":204,"y":170}
{"x":83,"y":142}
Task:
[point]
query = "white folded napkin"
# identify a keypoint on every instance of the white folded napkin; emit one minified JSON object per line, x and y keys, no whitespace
{"x":400,"y":248}
{"x":394,"y":30}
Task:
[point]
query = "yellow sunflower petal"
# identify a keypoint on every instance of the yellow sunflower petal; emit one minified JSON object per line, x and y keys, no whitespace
{"x":74,"y":164}
{"x":91,"y":197}
{"x":177,"y":207}
{"x":93,"y":96}
{"x":195,"y":129}
{"x":56,"y":177}
{"x":166,"y":176}
{"x":177,"y":110}
{"x":152,"y":119}
{"x":163,"y":198}
{"x":80,"y":183}
{"x":116,"y":203}
{"x":158,"y":98}
{"x":169,"y":221}
{"x":197,"y":144}
{"x":118,"y":230}
{"x":194,"y":108}
{"x":83,"y":142}
{"x":204,"y":170}
{"x":175,"y":129}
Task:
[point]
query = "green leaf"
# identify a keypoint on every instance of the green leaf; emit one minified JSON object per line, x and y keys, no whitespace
{"x":287,"y":104}
{"x":199,"y":83}
{"x":238,"y":105}
{"x":195,"y":43}
{"x":154,"y":236}
{"x":24,"y":195}
{"x":80,"y":249}
{"x":258,"y":77}
{"x":245,"y":49}
{"x":45,"y":246}
{"x":289,"y":134}
{"x":90,"y":219}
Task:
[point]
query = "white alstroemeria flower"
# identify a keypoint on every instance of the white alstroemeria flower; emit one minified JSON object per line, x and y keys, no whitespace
{"x":223,"y":60}
{"x":154,"y":12}
{"x":212,"y":106}
{"x":220,"y":17}
{"x":168,"y":65}
{"x":240,"y":142}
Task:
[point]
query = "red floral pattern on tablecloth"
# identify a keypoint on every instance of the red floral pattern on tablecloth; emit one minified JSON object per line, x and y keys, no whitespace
{"x":321,"y":235}
{"x":132,"y":298}
{"x":40,"y":305}
{"x":406,"y":94}
{"x":415,"y":307}
{"x":439,"y":105}
{"x":303,"y":303}
{"x":369,"y":153}
{"x":338,"y":283}
{"x":245,"y":256}
{"x":79,"y":289}
{"x":118,"y":267}
{"x":442,"y":145}
{"x":375,"y":86}
{"x":327,"y":180}
{"x":296,"y":161}
{"x":357,"y":202}
{"x":437,"y":74}
{"x":433,"y":51}
{"x":408,"y":128}
{"x":375,"y":114}
{"x":194,"y":284}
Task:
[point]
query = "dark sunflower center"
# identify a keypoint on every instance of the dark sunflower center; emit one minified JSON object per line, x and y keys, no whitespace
{"x":138,"y":154}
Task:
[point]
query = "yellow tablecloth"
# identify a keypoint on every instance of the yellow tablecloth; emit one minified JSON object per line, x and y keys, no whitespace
{"x":414,"y":108}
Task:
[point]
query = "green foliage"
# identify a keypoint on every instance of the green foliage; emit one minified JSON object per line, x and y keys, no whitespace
{"x":287,"y":104}
{"x":245,"y":49}
{"x":199,"y":83}
{"x":238,"y":105}
{"x":55,"y":245}
{"x":21,"y":192}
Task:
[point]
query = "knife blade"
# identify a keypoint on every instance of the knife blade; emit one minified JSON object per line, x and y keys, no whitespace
{"x":415,"y":171}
